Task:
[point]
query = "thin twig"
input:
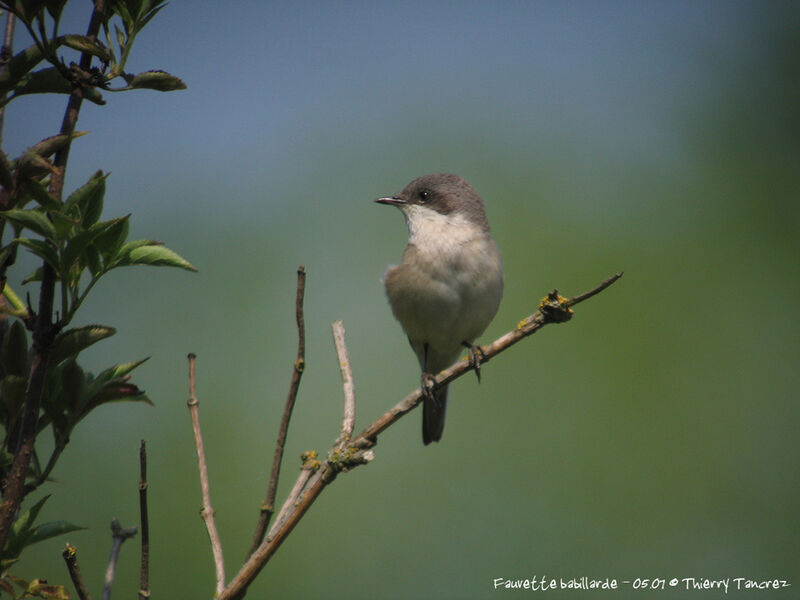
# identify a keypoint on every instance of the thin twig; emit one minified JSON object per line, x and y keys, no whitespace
{"x":552,"y":309}
{"x":348,"y":386}
{"x":144,"y":577}
{"x":118,"y":537}
{"x":208,"y":512}
{"x":310,"y":466}
{"x":70,"y":555}
{"x":268,"y":506}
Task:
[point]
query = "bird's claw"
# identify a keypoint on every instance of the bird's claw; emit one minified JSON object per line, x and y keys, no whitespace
{"x":426,"y":383}
{"x":476,"y":357}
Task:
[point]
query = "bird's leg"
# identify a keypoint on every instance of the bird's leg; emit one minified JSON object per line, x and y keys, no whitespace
{"x":427,"y":380}
{"x":476,"y":357}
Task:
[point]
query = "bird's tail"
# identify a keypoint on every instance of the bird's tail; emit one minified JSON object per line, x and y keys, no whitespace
{"x":433,"y":413}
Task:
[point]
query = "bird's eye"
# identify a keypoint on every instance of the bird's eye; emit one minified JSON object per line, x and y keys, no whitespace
{"x":423,"y":196}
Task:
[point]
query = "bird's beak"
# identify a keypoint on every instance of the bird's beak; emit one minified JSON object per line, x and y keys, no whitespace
{"x":393,"y":200}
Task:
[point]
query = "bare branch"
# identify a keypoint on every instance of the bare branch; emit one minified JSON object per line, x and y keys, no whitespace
{"x":349,"y":420}
{"x":552,"y":309}
{"x":70,"y":555}
{"x":268,"y":506}
{"x":118,"y":537}
{"x":144,"y":577}
{"x":310,"y":466}
{"x":208,"y":512}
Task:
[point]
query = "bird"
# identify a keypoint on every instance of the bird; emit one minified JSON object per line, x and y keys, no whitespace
{"x":448,"y":286}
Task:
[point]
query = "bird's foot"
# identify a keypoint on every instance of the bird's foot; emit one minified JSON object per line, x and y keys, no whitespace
{"x":476,"y":357}
{"x":426,"y":384}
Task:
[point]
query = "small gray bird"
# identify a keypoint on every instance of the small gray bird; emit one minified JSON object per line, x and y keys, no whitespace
{"x":447,"y":288}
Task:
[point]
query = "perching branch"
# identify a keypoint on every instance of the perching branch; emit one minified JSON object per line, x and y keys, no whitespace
{"x":118,"y":537}
{"x":552,"y":309}
{"x":144,"y":577}
{"x":70,"y":555}
{"x":208,"y":512}
{"x":268,"y":506}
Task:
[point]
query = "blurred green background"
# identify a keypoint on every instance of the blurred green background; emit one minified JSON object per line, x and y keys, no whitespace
{"x":653,"y":436}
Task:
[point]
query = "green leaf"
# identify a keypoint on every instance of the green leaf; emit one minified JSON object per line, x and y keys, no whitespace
{"x":77,"y":246}
{"x":116,"y":391}
{"x":35,"y":220}
{"x":31,"y":165}
{"x":92,"y":256}
{"x":14,"y":352}
{"x":149,"y":13}
{"x":54,"y":7}
{"x":160,"y":256}
{"x":125,"y":368}
{"x":73,"y":384}
{"x":39,"y":588}
{"x":120,"y":38}
{"x":69,"y":343}
{"x":54,"y":143}
{"x":81,"y":43}
{"x":37,"y":275}
{"x":157,"y":80}
{"x":109,"y":241}
{"x":51,"y":529}
{"x":50,"y":81}
{"x":63,"y":224}
{"x":87,"y":200}
{"x":38,"y":192}
{"x":21,"y":531}
{"x":41,"y":249}
{"x":18,"y":67}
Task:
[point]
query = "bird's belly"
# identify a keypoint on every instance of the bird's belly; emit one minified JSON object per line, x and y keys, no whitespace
{"x":444,"y":303}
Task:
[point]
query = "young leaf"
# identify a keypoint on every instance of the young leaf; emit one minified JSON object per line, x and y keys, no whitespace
{"x":54,"y":143}
{"x":88,"y":199}
{"x":45,"y":531}
{"x":21,"y":530}
{"x":37,"y":275}
{"x":54,"y":7}
{"x":109,"y":241}
{"x":73,"y":383}
{"x":116,"y":372}
{"x":157,"y":80}
{"x":31,"y":166}
{"x":50,"y":81}
{"x":77,"y":245}
{"x":69,"y":343}
{"x":44,"y":81}
{"x":39,"y":588}
{"x":92,"y":256}
{"x":34,"y":220}
{"x":81,"y":43}
{"x":41,"y":249}
{"x":18,"y":67}
{"x":63,"y":224}
{"x":158,"y":256}
{"x":116,"y":391}
{"x":38,"y":192}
